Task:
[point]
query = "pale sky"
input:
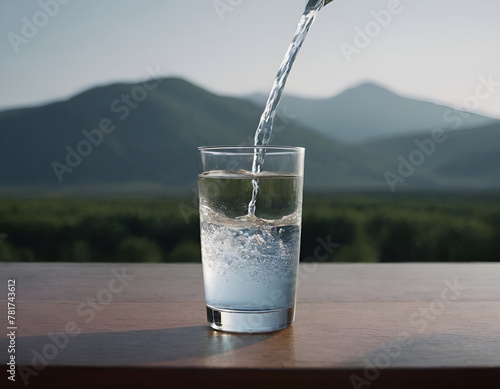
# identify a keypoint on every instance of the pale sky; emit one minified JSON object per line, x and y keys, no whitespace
{"x":435,"y":50}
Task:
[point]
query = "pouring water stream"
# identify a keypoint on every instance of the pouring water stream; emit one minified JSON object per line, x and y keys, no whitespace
{"x":264,"y":129}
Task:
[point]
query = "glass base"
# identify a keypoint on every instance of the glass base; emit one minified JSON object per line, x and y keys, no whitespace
{"x":250,"y":321}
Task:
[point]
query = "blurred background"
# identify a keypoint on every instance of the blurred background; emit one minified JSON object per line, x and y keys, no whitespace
{"x":104,"y":103}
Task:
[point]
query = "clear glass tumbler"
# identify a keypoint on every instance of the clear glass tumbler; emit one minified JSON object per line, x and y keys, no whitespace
{"x":250,"y":260}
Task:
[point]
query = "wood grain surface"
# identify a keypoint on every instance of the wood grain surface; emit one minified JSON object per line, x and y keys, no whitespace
{"x":357,"y":326}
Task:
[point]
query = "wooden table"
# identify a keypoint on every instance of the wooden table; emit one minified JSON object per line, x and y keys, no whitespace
{"x":357,"y":326}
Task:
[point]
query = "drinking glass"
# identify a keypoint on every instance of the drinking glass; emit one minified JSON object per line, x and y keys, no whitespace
{"x":250,"y":259}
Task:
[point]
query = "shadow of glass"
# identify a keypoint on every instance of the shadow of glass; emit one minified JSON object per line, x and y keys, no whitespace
{"x":129,"y":348}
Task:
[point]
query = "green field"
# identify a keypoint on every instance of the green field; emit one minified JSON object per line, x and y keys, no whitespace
{"x":365,"y":228}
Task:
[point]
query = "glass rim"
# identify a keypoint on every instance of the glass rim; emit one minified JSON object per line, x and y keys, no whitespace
{"x":269,"y":148}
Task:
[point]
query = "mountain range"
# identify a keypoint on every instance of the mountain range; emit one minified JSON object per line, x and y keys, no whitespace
{"x":127,"y":138}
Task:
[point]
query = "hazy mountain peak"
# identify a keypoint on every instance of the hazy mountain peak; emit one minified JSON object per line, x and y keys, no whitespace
{"x":369,"y":110}
{"x":367,"y":87}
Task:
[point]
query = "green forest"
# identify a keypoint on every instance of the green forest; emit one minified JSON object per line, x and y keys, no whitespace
{"x":356,"y":228}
